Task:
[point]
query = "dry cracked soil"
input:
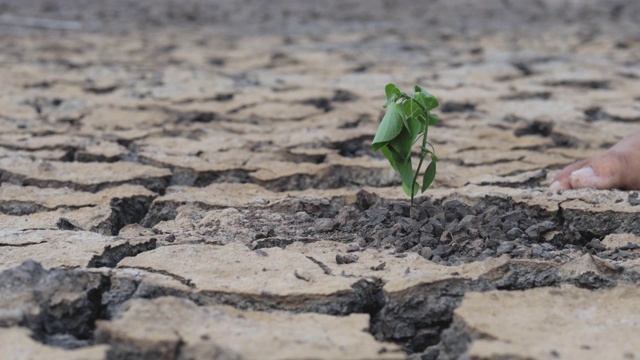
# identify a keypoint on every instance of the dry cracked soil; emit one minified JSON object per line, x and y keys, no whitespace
{"x":194,"y":180}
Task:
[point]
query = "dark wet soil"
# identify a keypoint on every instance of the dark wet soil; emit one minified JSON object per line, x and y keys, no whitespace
{"x":453,"y":233}
{"x":448,"y":232}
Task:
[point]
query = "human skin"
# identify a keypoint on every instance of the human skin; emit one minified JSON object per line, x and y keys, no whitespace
{"x":616,"y":168}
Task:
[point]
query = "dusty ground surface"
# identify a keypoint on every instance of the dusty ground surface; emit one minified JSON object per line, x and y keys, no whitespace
{"x":193,"y":180}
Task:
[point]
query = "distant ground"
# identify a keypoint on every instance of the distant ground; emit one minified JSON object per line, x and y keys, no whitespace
{"x":288,"y":17}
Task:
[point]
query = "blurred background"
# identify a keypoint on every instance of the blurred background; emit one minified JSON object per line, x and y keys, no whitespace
{"x":292,"y":17}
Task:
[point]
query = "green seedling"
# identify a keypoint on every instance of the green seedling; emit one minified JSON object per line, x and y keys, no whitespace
{"x":407,"y":120}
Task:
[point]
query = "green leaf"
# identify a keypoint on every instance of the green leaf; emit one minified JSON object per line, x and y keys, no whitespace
{"x":425,"y":98}
{"x":406,"y":114}
{"x":403,"y":167}
{"x":389,"y":155}
{"x":433,"y":119}
{"x":406,"y":120}
{"x":415,"y":128}
{"x":390,"y":127}
{"x":402,"y":144}
{"x":413,"y":113}
{"x":406,"y":173}
{"x":392,"y":93}
{"x":429,"y":175}
{"x":407,"y":189}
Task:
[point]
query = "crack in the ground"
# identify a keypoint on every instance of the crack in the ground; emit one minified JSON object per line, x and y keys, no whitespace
{"x":182,"y":280}
{"x":19,"y":208}
{"x":325,"y":268}
{"x":155,"y":184}
{"x":23,"y":244}
{"x":127,"y":211}
{"x":34,"y":295}
{"x":584,"y":84}
{"x":282,"y":242}
{"x":331,"y":177}
{"x":162,"y":210}
{"x":418,"y":318}
{"x":363,"y":297}
{"x":111,"y":256}
{"x":123,"y":211}
{"x":494,"y":162}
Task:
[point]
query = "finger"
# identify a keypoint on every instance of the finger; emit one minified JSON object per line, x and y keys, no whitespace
{"x":561,"y":180}
{"x":603,"y":172}
{"x":587,"y":178}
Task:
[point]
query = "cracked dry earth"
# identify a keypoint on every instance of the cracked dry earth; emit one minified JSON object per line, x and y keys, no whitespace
{"x":194,"y":181}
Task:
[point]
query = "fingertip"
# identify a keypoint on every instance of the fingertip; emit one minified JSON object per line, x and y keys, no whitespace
{"x":560,"y":184}
{"x":587,"y":178}
{"x":556,"y":185}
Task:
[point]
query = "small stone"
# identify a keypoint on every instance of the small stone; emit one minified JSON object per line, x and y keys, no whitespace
{"x":488,"y":253}
{"x":548,"y":246}
{"x":362,"y":242}
{"x":302,"y":275}
{"x":398,"y":210}
{"x":438,"y":229}
{"x":456,"y":209}
{"x":426,"y":253}
{"x":536,"y":251}
{"x":504,"y":248}
{"x":596,"y":245}
{"x":261,"y":253}
{"x":302,"y":216}
{"x":446,"y":237}
{"x":443,"y":250}
{"x":624,"y":254}
{"x":492,"y":242}
{"x":417,"y":213}
{"x":469,"y":222}
{"x":514,"y":233}
{"x":508,"y":225}
{"x":378,"y":267}
{"x":324,"y":225}
{"x":533,"y":232}
{"x":408,"y":225}
{"x":427,"y":228}
{"x":547,"y":225}
{"x":514,"y":216}
{"x":346,"y":259}
{"x":427,"y":240}
{"x":497,"y":235}
{"x":453,"y":226}
{"x":353,"y":248}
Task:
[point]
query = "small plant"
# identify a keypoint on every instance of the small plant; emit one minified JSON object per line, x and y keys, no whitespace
{"x":407,"y":119}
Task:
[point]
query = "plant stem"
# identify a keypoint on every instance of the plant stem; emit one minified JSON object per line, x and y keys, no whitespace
{"x":422,"y":155}
{"x":424,"y":143}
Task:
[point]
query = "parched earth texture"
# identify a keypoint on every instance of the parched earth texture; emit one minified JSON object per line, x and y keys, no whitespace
{"x":194,"y":180}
